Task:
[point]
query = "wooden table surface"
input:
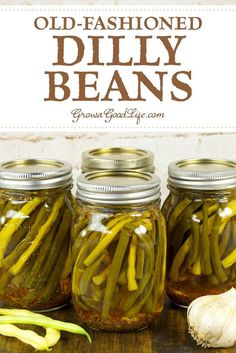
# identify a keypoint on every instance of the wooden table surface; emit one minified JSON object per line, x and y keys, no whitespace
{"x":169,"y":335}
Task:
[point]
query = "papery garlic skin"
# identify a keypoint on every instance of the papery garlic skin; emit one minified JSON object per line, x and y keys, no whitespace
{"x":212,"y":320}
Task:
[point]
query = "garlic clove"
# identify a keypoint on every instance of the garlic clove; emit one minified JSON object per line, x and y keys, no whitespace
{"x":212,"y":320}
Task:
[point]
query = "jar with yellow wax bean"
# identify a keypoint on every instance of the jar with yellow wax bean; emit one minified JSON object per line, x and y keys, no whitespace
{"x":118,"y":250}
{"x":200,"y":213}
{"x":35,"y":222}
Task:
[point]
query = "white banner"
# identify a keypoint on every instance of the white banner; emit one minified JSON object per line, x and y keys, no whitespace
{"x":141,"y":68}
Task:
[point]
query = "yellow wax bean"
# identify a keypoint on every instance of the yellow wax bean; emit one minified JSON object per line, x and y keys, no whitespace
{"x":131,"y":272}
{"x":12,"y":225}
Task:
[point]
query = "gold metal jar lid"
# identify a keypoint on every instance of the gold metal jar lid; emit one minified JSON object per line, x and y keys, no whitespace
{"x":203,"y":174}
{"x":118,"y":188}
{"x":35,"y":174}
{"x":118,"y":158}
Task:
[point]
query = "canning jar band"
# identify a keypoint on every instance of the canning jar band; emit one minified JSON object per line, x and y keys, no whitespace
{"x":204,"y":193}
{"x":35,"y":174}
{"x":203,"y":174}
{"x":110,"y":187}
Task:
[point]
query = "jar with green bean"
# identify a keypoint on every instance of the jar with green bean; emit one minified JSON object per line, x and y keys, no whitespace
{"x":35,"y":222}
{"x":200,"y":213}
{"x":118,"y":251}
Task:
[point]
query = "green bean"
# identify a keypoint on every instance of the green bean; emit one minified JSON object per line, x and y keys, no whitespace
{"x":20,"y":235}
{"x":87,"y":231}
{"x":140,"y":303}
{"x":234,"y":231}
{"x":43,"y":291}
{"x":159,"y":283}
{"x":36,"y":276}
{"x":68,"y":264}
{"x":88,"y":274}
{"x":78,"y":227}
{"x":215,"y":256}
{"x":78,"y":302}
{"x":115,"y":220}
{"x":13,"y":224}
{"x":45,"y":322}
{"x":102,"y":276}
{"x":233,"y":273}
{"x":229,"y":260}
{"x":194,"y":253}
{"x":94,"y":302}
{"x":9,"y":260}
{"x":178,"y":210}
{"x":97,"y":293}
{"x":145,"y":222}
{"x":15,"y":269}
{"x":153,"y":231}
{"x":148,"y":271}
{"x":118,"y":295}
{"x":52,"y":336}
{"x":205,"y":244}
{"x":77,"y":244}
{"x":6,"y":278}
{"x":76,"y":275}
{"x":19,"y":280}
{"x":196,"y":268}
{"x":140,"y":262}
{"x":194,"y":250}
{"x":212,"y":279}
{"x":104,"y":243}
{"x":122,"y":279}
{"x":148,"y":306}
{"x":58,"y":244}
{"x":92,"y":241}
{"x":9,"y":211}
{"x":54,"y":279}
{"x":2,"y":206}
{"x":184,"y":224}
{"x":114,"y":271}
{"x":225,"y":238}
{"x":179,"y":259}
{"x":210,"y":212}
{"x":7,"y":207}
{"x":88,"y":303}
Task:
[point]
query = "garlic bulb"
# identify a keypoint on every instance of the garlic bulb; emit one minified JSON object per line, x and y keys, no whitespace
{"x":212,"y":320}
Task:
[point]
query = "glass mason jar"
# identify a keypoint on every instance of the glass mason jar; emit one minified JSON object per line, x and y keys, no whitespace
{"x":35,"y":222}
{"x":119,"y":251}
{"x":118,"y":159}
{"x":200,"y":213}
